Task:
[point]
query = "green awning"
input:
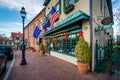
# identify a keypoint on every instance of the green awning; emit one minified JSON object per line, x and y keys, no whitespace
{"x":79,"y":15}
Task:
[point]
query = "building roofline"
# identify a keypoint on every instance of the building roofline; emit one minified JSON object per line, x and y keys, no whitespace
{"x":43,"y":10}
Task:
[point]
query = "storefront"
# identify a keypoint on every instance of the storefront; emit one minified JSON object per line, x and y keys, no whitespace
{"x":66,"y":33}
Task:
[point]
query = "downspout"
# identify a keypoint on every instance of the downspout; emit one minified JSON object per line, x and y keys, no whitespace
{"x":91,"y":35}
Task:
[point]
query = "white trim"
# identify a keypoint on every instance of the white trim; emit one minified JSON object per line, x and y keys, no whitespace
{"x":64,"y":57}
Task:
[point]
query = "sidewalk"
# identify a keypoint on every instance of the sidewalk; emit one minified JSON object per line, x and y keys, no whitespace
{"x":49,"y":68}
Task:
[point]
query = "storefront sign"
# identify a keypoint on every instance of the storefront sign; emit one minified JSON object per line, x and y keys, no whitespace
{"x":106,"y":21}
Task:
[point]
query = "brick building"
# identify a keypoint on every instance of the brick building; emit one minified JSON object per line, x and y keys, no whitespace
{"x":29,"y":29}
{"x":15,"y":39}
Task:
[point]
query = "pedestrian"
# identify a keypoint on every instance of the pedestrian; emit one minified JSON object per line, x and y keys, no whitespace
{"x":20,"y":47}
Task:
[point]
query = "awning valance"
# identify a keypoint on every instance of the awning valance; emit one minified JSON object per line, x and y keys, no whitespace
{"x":79,"y":15}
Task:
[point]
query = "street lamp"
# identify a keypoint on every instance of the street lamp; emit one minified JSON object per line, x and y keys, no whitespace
{"x":23,"y":15}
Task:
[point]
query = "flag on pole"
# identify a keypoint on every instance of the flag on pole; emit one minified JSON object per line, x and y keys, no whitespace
{"x":54,"y":17}
{"x":47,"y":24}
{"x":36,"y":32}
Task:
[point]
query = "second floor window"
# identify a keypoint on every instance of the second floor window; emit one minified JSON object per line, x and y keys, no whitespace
{"x":57,"y":7}
{"x":36,"y":23}
{"x":49,"y":16}
{"x":41,"y":20}
{"x":67,"y":2}
{"x":68,"y":5}
{"x":71,"y":1}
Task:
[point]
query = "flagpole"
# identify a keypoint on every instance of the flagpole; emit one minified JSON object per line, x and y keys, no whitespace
{"x":60,"y":17}
{"x":45,"y":16}
{"x":57,"y":12}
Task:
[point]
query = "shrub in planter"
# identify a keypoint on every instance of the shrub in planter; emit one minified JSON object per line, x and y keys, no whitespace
{"x":31,"y":48}
{"x":42,"y":48}
{"x":83,"y":55}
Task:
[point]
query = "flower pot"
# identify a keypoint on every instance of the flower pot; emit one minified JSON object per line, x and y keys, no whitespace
{"x":82,"y":67}
{"x":31,"y":50}
{"x":41,"y":52}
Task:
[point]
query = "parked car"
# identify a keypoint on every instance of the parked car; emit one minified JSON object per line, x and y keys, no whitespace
{"x":3,"y":62}
{"x":7,"y":50}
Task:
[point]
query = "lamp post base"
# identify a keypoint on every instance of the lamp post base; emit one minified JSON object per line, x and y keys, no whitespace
{"x":23,"y":62}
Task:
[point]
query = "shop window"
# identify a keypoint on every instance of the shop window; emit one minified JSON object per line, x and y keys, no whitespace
{"x":65,"y":46}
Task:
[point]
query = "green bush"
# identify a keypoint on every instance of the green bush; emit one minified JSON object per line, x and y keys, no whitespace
{"x":31,"y":48}
{"x":42,"y":48}
{"x":82,"y":51}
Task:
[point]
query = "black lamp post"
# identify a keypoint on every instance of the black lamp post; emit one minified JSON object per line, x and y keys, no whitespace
{"x":23,"y":15}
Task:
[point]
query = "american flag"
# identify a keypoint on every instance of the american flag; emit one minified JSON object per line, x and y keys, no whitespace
{"x":54,"y":17}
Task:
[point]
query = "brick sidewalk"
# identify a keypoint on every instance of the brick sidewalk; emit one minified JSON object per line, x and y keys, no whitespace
{"x":48,"y":68}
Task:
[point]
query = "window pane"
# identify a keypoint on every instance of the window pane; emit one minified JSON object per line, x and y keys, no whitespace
{"x":67,"y":2}
{"x":57,"y":7}
{"x":49,"y":16}
{"x":65,"y":46}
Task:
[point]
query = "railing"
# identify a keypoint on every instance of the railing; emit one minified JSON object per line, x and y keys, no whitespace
{"x":107,"y":58}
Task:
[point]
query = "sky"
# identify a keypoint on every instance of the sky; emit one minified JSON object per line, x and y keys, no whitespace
{"x":116,"y":13}
{"x":11,"y":21}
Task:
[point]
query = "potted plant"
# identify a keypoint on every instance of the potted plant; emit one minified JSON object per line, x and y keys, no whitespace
{"x":31,"y":48}
{"x":42,"y":49}
{"x":83,"y":55}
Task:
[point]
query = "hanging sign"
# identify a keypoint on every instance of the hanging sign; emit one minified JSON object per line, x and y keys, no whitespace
{"x":106,"y":21}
